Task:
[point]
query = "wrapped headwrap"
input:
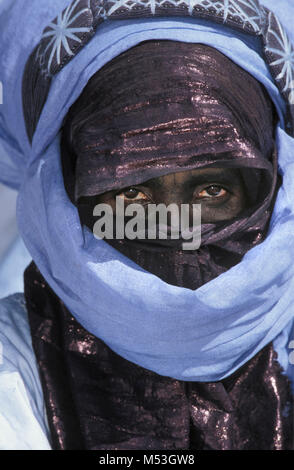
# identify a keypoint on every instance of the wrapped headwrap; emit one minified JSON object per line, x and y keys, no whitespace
{"x":119,"y":129}
{"x":174,"y":107}
{"x":204,"y":334}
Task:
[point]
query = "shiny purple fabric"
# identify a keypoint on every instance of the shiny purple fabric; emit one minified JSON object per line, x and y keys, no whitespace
{"x":162,"y":107}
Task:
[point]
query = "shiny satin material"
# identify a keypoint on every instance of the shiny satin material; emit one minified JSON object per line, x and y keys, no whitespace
{"x":96,"y":399}
{"x":163,"y":107}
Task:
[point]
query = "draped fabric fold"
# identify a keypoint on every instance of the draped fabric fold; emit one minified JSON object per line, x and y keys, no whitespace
{"x":97,"y":400}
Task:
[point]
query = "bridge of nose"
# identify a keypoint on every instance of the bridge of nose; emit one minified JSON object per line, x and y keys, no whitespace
{"x":172,"y":189}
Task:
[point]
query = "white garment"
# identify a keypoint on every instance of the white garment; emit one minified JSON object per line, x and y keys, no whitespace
{"x":23,"y":422}
{"x":14,"y":256}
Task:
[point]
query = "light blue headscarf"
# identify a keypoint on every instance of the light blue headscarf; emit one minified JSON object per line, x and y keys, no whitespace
{"x":201,"y":335}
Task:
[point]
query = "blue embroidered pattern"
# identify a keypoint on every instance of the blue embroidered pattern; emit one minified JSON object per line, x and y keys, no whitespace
{"x":74,"y":27}
{"x":64,"y":34}
{"x":244,"y":11}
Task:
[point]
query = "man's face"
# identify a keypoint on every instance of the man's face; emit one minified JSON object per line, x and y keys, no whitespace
{"x":220,"y":191}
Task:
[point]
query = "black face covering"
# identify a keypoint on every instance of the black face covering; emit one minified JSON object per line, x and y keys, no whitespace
{"x":164,"y":107}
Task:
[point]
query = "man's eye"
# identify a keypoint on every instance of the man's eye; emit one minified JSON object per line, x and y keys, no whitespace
{"x":133,"y":194}
{"x":212,"y":191}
